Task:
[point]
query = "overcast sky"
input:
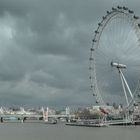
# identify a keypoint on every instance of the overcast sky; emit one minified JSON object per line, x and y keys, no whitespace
{"x":44,"y":49}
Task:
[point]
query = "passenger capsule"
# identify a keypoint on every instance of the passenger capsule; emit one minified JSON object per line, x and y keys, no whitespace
{"x":91,"y":86}
{"x":94,"y":40}
{"x":92,"y":49}
{"x":90,"y":68}
{"x":94,"y":94}
{"x":135,"y":104}
{"x":96,"y":31}
{"x":114,"y":9}
{"x":119,"y":7}
{"x":130,"y":11}
{"x":125,"y":8}
{"x":107,"y":104}
{"x":97,"y":102}
{"x":107,"y":12}
{"x":136,"y":17}
{"x":104,"y":17}
{"x":91,"y":58}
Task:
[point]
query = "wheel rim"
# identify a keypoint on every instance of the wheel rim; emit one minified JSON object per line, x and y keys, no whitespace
{"x":116,"y":39}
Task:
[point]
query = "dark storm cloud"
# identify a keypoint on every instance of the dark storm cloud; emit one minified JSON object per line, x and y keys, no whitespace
{"x":44,"y":49}
{"x":17,"y":7}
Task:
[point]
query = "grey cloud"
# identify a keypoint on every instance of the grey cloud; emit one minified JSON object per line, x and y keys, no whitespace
{"x":44,"y":49}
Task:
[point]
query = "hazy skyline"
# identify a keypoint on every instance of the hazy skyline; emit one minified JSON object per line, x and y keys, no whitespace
{"x":44,"y":49}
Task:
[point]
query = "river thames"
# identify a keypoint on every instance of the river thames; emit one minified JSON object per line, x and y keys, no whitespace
{"x":40,"y":131}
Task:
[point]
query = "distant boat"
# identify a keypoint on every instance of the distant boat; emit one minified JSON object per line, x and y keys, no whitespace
{"x":88,"y":125}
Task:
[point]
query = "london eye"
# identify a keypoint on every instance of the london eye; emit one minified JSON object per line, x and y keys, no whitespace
{"x":114,"y":57}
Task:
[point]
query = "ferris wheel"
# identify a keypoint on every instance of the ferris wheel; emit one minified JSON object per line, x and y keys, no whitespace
{"x":114,"y":57}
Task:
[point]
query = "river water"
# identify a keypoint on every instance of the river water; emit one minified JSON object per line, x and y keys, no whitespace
{"x":41,"y":131}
